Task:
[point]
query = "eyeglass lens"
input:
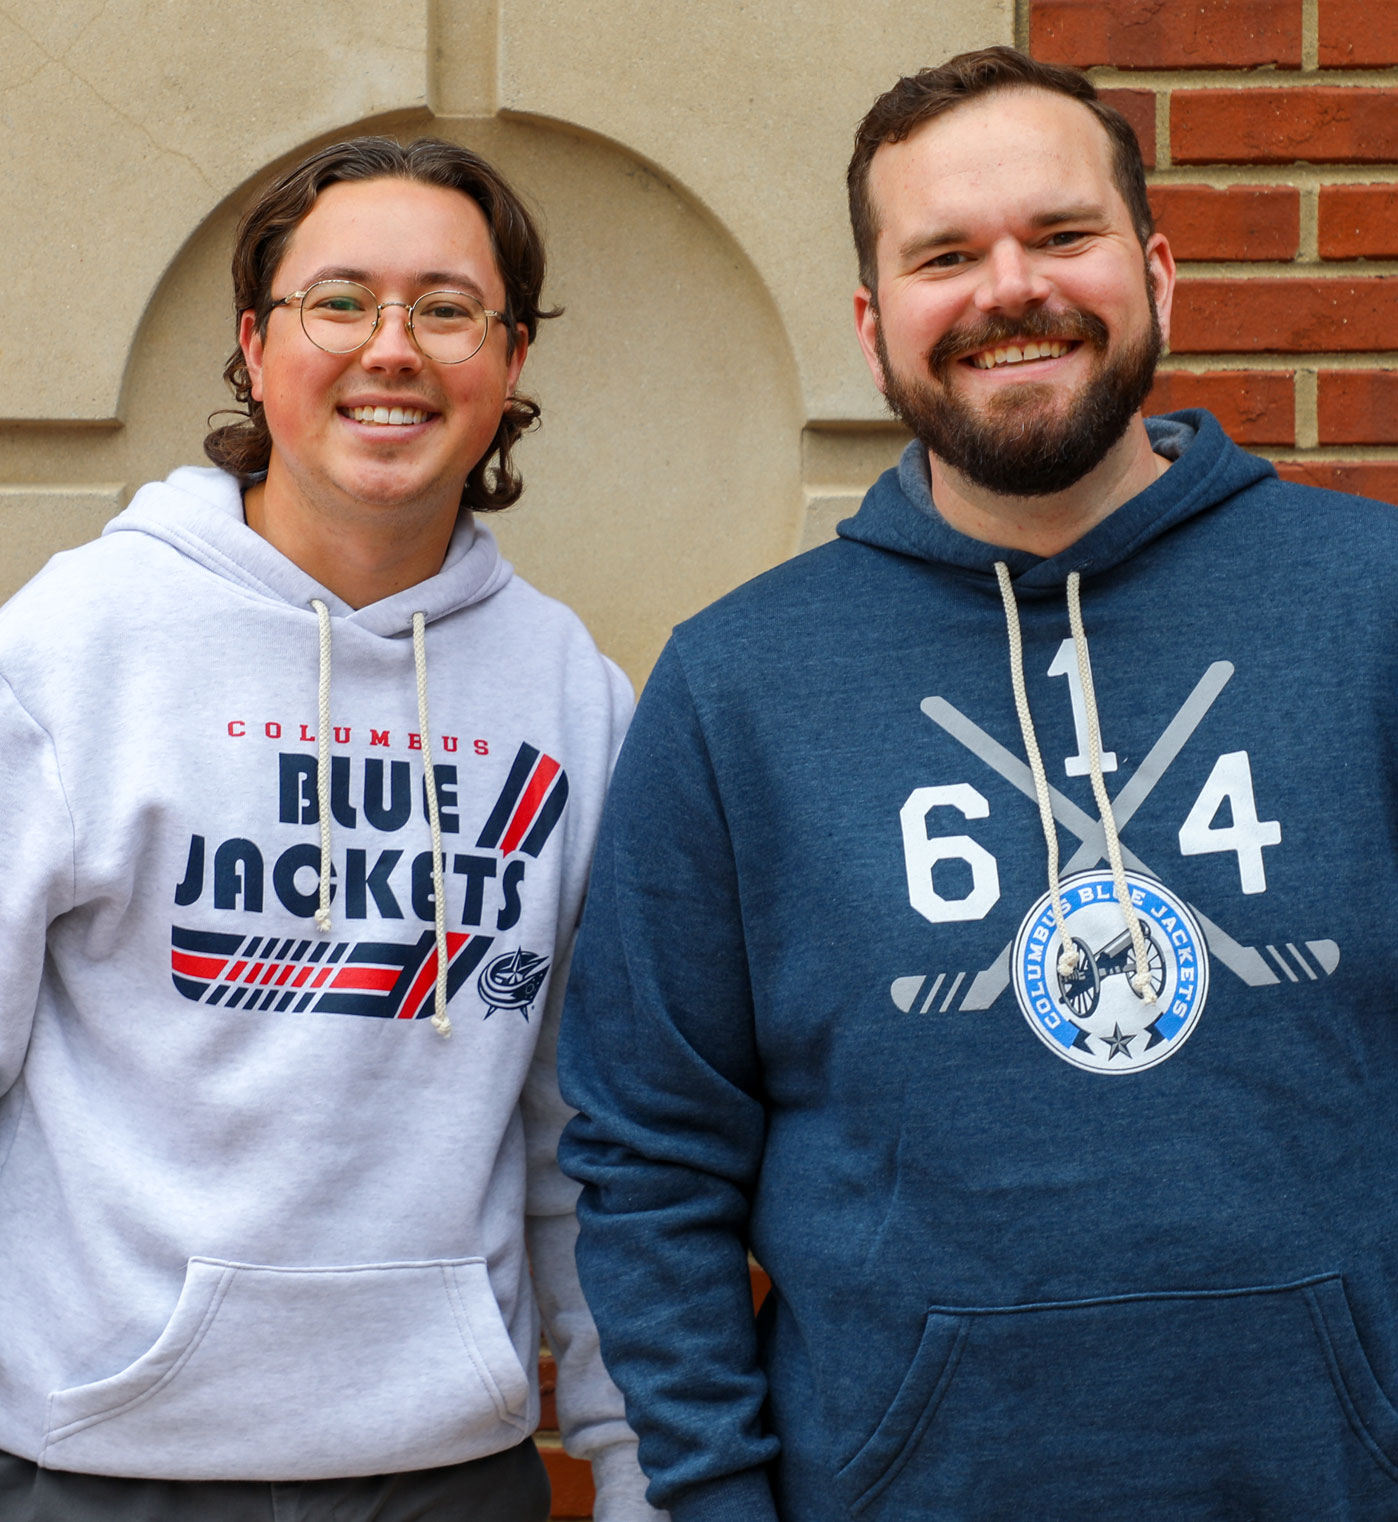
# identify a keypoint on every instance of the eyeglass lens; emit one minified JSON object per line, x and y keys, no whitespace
{"x":339,"y":317}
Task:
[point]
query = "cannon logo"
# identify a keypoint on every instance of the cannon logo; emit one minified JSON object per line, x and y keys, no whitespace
{"x":391,"y":980}
{"x":1092,"y":1017}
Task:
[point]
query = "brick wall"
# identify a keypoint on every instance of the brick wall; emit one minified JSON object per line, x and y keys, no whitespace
{"x":1271,"y":132}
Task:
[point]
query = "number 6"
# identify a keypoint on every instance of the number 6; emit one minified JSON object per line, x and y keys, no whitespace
{"x":921,"y":855}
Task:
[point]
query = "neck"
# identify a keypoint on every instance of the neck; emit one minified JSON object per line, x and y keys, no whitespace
{"x":362,"y":553}
{"x":1046,"y":526}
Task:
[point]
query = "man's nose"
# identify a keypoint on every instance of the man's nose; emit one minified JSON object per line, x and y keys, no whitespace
{"x":392,"y":346}
{"x":1011,"y":280}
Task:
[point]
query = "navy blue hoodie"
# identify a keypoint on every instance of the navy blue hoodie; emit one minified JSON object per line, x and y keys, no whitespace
{"x":1039,"y":1250}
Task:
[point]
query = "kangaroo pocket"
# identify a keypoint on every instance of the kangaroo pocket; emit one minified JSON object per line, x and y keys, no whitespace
{"x":305,"y":1373}
{"x":1244,"y":1403}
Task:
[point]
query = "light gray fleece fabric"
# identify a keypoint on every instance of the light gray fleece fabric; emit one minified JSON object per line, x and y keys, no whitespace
{"x":258,"y":1220}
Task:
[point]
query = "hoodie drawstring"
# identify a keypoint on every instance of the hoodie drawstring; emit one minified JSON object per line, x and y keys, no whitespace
{"x":440,"y":1020}
{"x":323,"y":765}
{"x":1069,"y":954}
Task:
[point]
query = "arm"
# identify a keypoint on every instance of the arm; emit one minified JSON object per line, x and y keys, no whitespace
{"x":38,"y":878}
{"x":660,"y":1057}
{"x":591,"y":1417}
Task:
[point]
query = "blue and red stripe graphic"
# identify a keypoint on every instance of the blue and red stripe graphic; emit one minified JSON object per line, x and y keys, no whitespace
{"x":530,"y":804}
{"x":390,"y":980}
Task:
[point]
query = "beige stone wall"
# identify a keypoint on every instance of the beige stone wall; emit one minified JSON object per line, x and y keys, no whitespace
{"x":706,"y":409}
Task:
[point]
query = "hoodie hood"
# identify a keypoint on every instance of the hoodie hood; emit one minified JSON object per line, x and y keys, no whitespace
{"x":199,"y":512}
{"x":898,"y":512}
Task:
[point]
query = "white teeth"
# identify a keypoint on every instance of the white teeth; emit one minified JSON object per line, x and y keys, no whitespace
{"x":388,"y":415}
{"x":1016,"y":354}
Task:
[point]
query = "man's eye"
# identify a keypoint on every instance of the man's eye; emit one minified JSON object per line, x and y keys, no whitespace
{"x":1064,"y":239}
{"x":947,"y":261}
{"x":337,"y":306}
{"x":442,"y":310}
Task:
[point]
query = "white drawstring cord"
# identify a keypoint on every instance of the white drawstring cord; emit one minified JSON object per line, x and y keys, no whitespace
{"x":323,"y":766}
{"x":1069,"y":955}
{"x":440,"y":1020}
{"x":1141,"y":981}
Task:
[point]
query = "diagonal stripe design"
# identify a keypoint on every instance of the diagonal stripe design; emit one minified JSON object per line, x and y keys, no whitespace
{"x":381,"y":979}
{"x":529,"y":806}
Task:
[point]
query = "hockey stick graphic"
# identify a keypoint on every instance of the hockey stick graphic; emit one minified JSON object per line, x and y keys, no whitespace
{"x":1245,"y":961}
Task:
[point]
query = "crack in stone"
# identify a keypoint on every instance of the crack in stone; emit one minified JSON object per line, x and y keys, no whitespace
{"x":60,"y":60}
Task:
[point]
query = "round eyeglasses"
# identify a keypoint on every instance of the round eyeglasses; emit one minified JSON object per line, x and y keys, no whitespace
{"x":340,"y":316}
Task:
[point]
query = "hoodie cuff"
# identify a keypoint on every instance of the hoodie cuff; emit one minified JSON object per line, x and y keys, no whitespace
{"x":742,"y":1497}
{"x":621,"y":1487}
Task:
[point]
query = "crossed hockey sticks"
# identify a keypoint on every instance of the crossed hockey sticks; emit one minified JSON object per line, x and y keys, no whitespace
{"x":1246,"y":961}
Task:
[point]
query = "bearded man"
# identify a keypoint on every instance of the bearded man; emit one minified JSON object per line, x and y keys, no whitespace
{"x":969,"y":908}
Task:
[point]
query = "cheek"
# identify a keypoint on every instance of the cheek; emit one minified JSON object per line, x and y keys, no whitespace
{"x":294,"y":390}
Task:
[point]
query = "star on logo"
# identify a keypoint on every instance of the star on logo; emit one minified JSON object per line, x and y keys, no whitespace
{"x":1117,"y":1044}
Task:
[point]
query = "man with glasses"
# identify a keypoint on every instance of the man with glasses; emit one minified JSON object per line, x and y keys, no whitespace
{"x":301,"y":787}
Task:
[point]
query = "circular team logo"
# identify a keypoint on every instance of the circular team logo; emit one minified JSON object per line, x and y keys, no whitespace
{"x":512,"y":981}
{"x":1092,"y":1017}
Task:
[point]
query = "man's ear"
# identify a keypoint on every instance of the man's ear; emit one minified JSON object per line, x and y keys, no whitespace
{"x":250,"y":342}
{"x":866,"y":327}
{"x":516,"y":361}
{"x":1160,"y":271}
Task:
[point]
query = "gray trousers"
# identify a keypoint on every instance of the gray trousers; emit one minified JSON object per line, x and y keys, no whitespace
{"x":512,"y":1486}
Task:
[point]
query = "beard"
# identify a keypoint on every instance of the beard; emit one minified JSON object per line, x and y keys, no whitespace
{"x":1020,"y":444}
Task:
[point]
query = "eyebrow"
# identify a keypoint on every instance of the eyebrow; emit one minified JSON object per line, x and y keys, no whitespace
{"x":1057,"y":216}
{"x":432,"y":280}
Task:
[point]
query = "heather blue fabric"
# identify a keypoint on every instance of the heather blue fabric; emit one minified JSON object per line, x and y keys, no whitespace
{"x":1005,"y":1286}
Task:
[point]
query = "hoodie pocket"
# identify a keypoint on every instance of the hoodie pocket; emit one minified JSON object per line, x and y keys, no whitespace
{"x":1145,"y":1401}
{"x":305,"y":1373}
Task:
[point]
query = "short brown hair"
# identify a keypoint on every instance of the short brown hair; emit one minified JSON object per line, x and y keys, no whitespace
{"x":244,"y":448}
{"x":917,"y":98}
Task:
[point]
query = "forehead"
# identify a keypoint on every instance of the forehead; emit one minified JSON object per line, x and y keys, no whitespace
{"x":1000,"y":157}
{"x":393,"y":230}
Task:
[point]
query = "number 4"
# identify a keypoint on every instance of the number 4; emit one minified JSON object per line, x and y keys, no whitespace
{"x":1231,"y":779}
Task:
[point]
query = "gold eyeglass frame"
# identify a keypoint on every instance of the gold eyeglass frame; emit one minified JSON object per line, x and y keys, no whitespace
{"x":379,"y":308}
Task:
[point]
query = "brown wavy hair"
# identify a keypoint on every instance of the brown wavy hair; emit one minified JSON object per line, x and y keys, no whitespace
{"x":244,"y":447}
{"x":917,"y":98}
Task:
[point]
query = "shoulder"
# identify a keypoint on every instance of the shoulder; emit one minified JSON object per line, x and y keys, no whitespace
{"x":541,"y":644}
{"x":553,"y":629}
{"x":783,"y":603}
{"x":818,"y":609}
{"x":1323,"y":527}
{"x":81,"y":588}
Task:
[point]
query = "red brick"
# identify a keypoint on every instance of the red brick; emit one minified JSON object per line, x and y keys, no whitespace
{"x":1254,"y":406}
{"x":1167,"y":34}
{"x":1328,"y":124}
{"x":1241,"y":222}
{"x":1138,"y":107}
{"x":1363,"y":478}
{"x":1358,"y":34}
{"x":1251,"y":316}
{"x":760,"y":1284}
{"x":548,"y":1382}
{"x":571,"y":1480}
{"x":1359,"y":221}
{"x":1357,"y":406}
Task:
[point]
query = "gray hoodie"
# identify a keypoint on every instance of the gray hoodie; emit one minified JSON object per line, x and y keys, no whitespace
{"x":258,"y":1219}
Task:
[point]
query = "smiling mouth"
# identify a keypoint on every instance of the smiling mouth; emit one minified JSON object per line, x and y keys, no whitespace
{"x":1020,"y":353}
{"x":392,"y":417}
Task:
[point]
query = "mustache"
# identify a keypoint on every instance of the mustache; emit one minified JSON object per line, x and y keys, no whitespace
{"x":992,"y":331}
